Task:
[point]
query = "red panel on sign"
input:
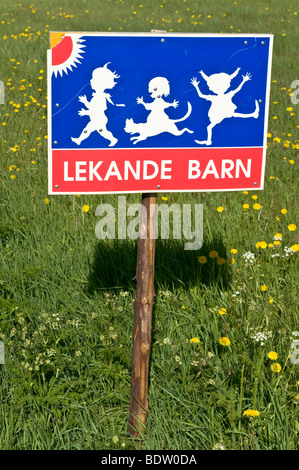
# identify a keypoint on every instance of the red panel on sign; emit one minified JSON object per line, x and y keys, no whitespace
{"x":146,"y":170}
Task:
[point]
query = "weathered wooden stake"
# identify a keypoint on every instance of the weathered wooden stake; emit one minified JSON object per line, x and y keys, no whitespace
{"x":145,"y":293}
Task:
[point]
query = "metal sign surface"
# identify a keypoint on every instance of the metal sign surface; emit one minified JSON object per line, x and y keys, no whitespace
{"x":157,"y":112}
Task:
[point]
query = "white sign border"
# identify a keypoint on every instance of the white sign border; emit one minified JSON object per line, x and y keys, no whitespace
{"x":160,"y":34}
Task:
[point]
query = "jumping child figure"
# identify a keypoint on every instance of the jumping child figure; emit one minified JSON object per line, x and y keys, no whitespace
{"x":102,"y":79}
{"x":221,"y":102}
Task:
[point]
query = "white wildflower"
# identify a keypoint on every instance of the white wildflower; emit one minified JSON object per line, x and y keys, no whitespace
{"x":166,"y":341}
{"x":219,"y":446}
{"x":236,"y":293}
{"x":249,"y":257}
{"x":178,"y":360}
{"x":51,"y":352}
{"x":288,"y":251}
{"x":124,"y":294}
{"x":194,"y":363}
{"x":261,"y":337}
{"x":165,"y":293}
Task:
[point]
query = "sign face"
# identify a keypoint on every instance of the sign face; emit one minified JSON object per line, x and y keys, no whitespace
{"x":157,"y":112}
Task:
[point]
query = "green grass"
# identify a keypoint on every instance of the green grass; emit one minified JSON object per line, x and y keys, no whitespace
{"x":66,"y":298}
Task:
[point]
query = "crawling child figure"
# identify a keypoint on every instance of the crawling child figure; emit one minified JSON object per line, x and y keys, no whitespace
{"x":157,"y":121}
{"x":221,"y":102}
{"x":102,"y":79}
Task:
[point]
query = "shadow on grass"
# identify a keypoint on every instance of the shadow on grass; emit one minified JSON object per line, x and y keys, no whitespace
{"x":114,"y":266}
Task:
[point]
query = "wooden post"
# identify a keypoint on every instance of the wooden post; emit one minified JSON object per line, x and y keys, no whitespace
{"x":145,"y":293}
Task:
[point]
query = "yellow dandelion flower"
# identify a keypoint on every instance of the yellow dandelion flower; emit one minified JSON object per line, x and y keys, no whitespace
{"x":262,"y":245}
{"x":251,"y":413}
{"x":13,"y":177}
{"x":85,"y":208}
{"x":232,"y":260}
{"x":213,"y":254}
{"x":194,"y":340}
{"x":202,"y":259}
{"x":263,"y":288}
{"x":47,"y":200}
{"x":234,"y":251}
{"x":284,"y":211}
{"x":292,"y":227}
{"x":254,"y":197}
{"x":256,"y":206}
{"x":220,"y":209}
{"x":221,"y":261}
{"x":272,"y":355}
{"x":222,"y":311}
{"x":224,"y":341}
{"x":276,"y":367}
{"x":245,"y":206}
{"x":295,"y":247}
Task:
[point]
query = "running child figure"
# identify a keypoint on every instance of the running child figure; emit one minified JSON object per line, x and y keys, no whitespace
{"x":221,"y":102}
{"x":102,"y":79}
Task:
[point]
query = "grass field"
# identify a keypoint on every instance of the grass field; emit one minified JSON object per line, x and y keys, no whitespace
{"x":66,"y":298}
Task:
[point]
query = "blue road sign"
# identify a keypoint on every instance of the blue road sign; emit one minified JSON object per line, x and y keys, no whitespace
{"x":154,"y":91}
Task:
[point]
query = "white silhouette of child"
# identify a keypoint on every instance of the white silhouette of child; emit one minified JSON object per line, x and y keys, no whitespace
{"x":221,"y":102}
{"x":157,"y":121}
{"x":102,"y":79}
